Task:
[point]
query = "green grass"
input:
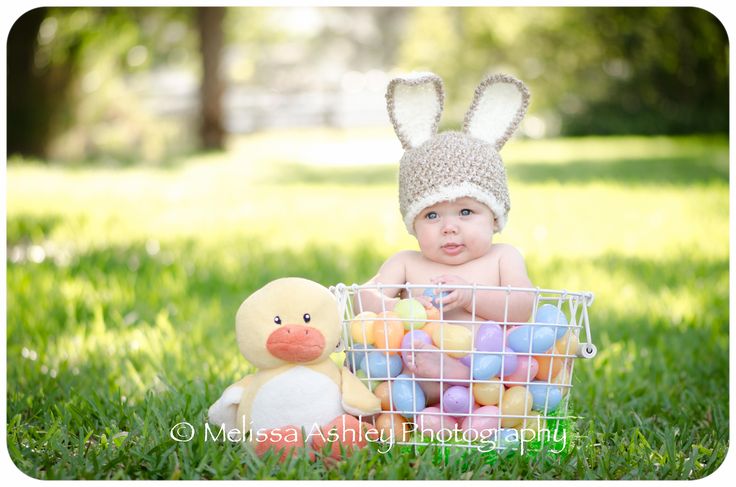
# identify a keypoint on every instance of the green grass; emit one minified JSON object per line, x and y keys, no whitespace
{"x":123,"y":286}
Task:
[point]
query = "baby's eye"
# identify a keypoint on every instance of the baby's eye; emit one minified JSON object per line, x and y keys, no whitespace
{"x":431,"y":215}
{"x":466,"y":212}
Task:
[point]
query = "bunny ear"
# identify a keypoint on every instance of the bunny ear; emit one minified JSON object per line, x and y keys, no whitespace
{"x":414,"y":105}
{"x":499,"y":104}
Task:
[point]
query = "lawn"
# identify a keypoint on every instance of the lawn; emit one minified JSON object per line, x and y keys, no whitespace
{"x":123,"y":283}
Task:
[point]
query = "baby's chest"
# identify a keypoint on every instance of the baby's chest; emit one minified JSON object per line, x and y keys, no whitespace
{"x":485,"y":272}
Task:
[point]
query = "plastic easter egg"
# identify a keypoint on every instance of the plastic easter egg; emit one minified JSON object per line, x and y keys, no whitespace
{"x":507,"y":438}
{"x":489,"y":337}
{"x":413,"y":337}
{"x":433,"y":316}
{"x":563,"y":379}
{"x":526,"y":369}
{"x":534,"y":338}
{"x":457,"y":399}
{"x":433,"y":423}
{"x":487,"y":393}
{"x":568,"y":344}
{"x":550,"y":314}
{"x":516,"y":401}
{"x":483,"y":366}
{"x":407,"y":396}
{"x":355,"y":357}
{"x":388,"y":332}
{"x":481,"y":425}
{"x":435,"y":298}
{"x":432,"y":326}
{"x":370,"y":384}
{"x":510,"y":362}
{"x":380,"y":366}
{"x":393,"y":427}
{"x":544,"y":393}
{"x":453,"y":337}
{"x":361,"y":328}
{"x":412,"y":313}
{"x":382,"y":393}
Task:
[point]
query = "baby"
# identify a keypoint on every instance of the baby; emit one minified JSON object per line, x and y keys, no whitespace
{"x":453,"y":197}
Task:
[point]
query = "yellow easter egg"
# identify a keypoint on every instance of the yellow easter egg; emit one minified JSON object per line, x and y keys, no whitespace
{"x":517,"y":401}
{"x":529,"y":427}
{"x":562,"y":344}
{"x":453,"y":337}
{"x":564,"y":378}
{"x":487,"y":393}
{"x":388,"y":330}
{"x":361,"y":327}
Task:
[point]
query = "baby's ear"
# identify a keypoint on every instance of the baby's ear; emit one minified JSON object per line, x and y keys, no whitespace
{"x":414,"y":105}
{"x":499,"y":104}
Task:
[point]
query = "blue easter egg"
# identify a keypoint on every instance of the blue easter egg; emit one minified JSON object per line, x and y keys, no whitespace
{"x":541,"y":338}
{"x":507,"y":437}
{"x":486,"y":366}
{"x":355,"y":357}
{"x":540,"y":390}
{"x":551,"y":315}
{"x":379,"y":365}
{"x":407,"y":396}
{"x":429,"y":293}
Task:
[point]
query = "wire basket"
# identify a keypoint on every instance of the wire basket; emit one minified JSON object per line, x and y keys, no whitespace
{"x":511,"y":394}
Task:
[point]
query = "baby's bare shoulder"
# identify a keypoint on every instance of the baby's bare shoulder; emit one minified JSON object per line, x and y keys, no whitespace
{"x":502,"y":250}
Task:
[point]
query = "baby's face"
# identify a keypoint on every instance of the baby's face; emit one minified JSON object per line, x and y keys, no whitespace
{"x":454,"y":232}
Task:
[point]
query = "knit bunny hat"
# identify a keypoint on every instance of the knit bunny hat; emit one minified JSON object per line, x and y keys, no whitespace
{"x":451,"y":165}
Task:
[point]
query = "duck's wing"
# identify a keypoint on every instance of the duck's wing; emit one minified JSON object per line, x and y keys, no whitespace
{"x":356,"y":398}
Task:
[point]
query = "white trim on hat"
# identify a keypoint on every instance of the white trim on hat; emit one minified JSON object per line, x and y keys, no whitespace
{"x":451,"y":193}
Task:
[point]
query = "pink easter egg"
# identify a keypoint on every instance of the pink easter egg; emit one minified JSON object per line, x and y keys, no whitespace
{"x":431,"y":422}
{"x":526,"y":370}
{"x":480,"y":425}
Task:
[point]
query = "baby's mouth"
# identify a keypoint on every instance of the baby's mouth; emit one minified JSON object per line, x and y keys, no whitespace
{"x":452,"y":248}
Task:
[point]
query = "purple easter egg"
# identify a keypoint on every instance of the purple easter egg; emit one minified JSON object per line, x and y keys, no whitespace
{"x":489,"y":337}
{"x":457,"y":399}
{"x":413,"y":336}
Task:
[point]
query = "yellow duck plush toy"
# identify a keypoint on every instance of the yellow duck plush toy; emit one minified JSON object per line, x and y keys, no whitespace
{"x":288,"y":329}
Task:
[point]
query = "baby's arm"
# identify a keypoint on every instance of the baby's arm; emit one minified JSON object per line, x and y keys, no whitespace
{"x":491,"y":305}
{"x":393,"y":271}
{"x":512,"y":272}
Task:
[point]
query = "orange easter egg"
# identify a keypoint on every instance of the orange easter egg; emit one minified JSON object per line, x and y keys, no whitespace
{"x":382,"y":392}
{"x":388,"y":330}
{"x":361,"y":328}
{"x":393,"y":427}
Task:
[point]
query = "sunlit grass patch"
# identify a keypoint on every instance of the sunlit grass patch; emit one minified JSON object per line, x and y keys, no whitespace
{"x":123,"y":287}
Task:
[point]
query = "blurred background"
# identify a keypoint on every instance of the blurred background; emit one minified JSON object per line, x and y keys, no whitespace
{"x":164,"y":163}
{"x":148,"y":84}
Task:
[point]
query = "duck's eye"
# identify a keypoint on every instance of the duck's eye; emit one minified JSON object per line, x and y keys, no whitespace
{"x":307,"y":318}
{"x":277,"y":320}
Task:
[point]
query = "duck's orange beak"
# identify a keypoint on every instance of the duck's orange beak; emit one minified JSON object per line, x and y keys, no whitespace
{"x":296,"y":343}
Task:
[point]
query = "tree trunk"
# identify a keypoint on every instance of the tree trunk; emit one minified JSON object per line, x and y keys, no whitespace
{"x":28,"y":119}
{"x":209,"y":22}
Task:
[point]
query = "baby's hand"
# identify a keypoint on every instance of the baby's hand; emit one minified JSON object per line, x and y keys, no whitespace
{"x":457,"y":298}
